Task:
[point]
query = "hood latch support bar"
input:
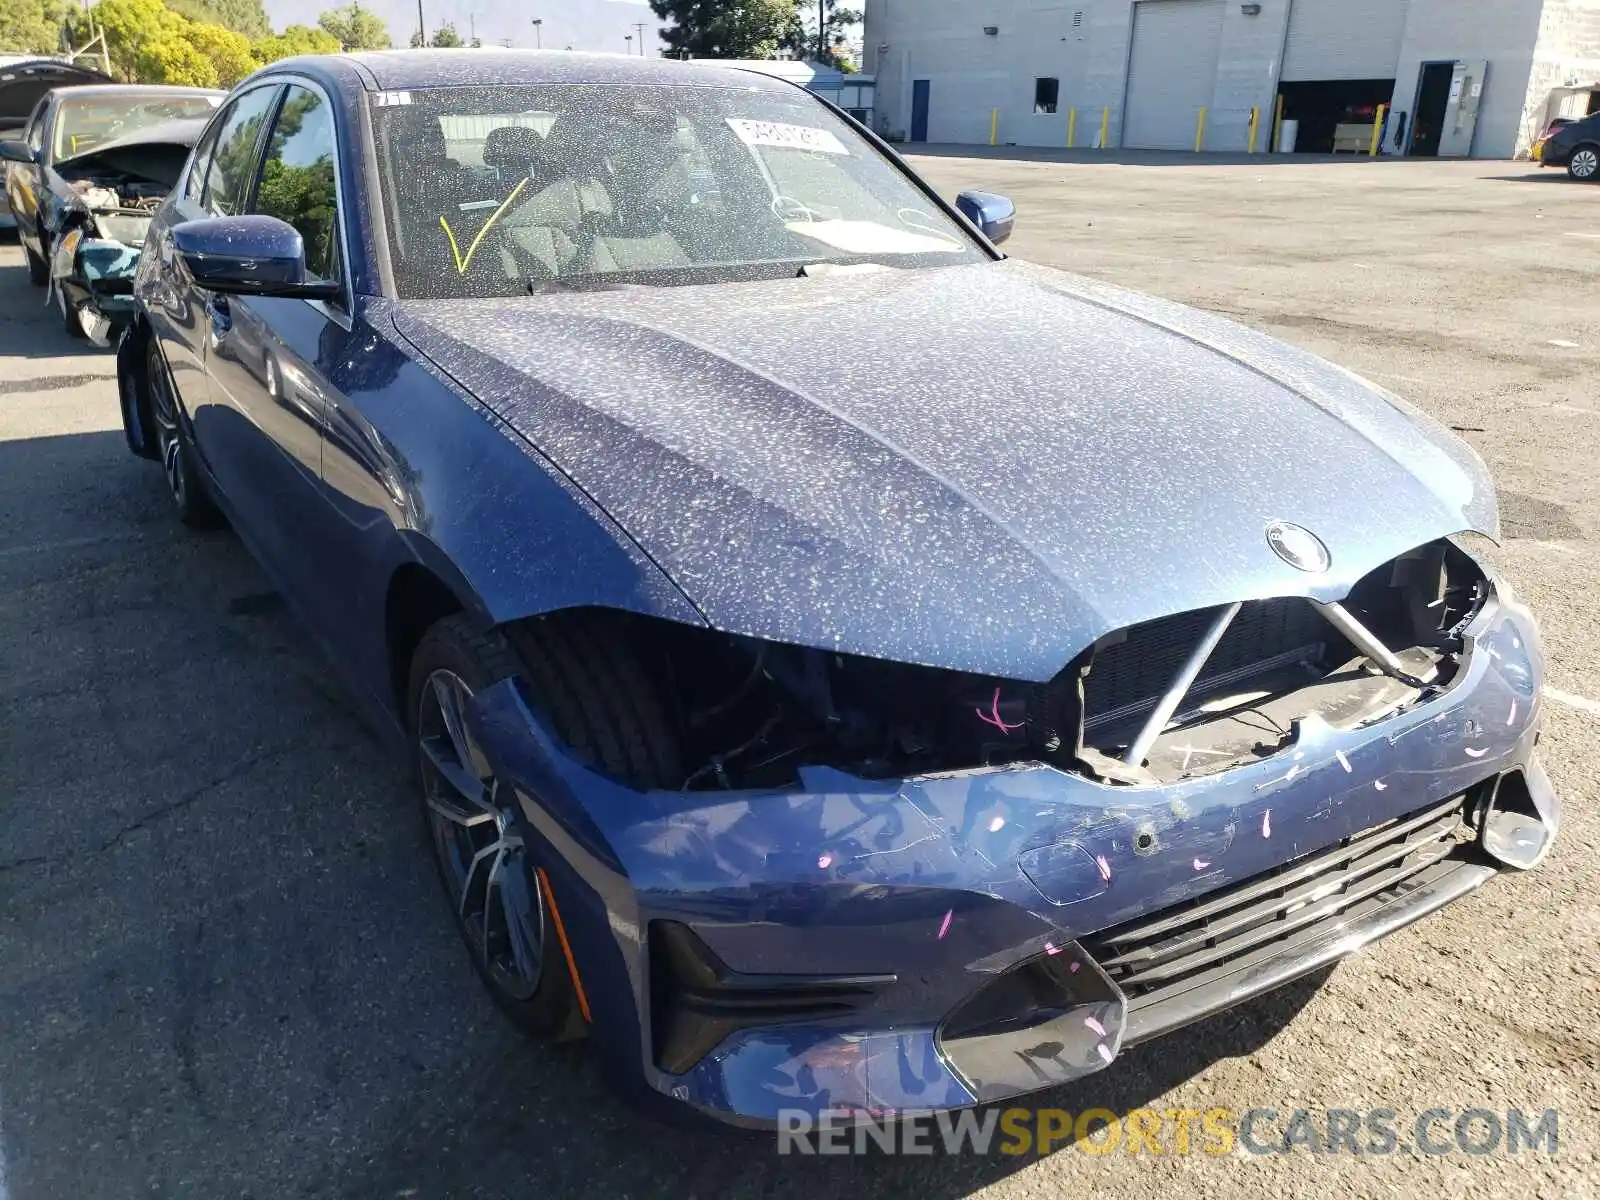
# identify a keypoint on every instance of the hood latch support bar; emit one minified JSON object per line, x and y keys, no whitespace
{"x":1179,"y":687}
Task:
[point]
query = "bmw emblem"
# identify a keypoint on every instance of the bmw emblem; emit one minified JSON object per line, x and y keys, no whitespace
{"x":1298,"y":547}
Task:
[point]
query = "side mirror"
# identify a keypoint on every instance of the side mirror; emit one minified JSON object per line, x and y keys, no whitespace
{"x":248,"y":256}
{"x":13,"y":150}
{"x":993,"y":214}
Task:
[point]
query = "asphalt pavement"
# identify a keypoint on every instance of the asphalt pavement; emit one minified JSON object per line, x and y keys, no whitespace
{"x":225,"y":966}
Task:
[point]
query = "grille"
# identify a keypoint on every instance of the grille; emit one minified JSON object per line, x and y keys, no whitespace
{"x":1133,"y":673}
{"x":1195,"y":944}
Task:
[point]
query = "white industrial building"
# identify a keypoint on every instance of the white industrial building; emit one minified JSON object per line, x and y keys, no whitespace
{"x":1455,"y":77}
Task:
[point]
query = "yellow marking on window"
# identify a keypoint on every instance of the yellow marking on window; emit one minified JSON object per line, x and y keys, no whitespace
{"x":463,"y":261}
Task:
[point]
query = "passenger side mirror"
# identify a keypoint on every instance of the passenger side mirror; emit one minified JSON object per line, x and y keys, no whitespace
{"x":17,"y":151}
{"x":253,"y":255}
{"x":994,"y":215}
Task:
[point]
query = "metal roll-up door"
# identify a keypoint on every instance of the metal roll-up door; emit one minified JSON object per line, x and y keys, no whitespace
{"x":1343,"y":39}
{"x":1172,"y":71}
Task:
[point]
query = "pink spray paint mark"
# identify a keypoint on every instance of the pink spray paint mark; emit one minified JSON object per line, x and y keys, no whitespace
{"x":996,"y":825}
{"x":1072,"y":968}
{"x":993,"y":716}
{"x":1094,"y":1027}
{"x":1471,"y":753}
{"x":824,"y":861}
{"x":1104,"y":1051}
{"x":1051,"y":948}
{"x":944,"y":925}
{"x":1343,"y":761}
{"x":1266,"y":824}
{"x":1511,"y":718}
{"x":1380,"y":785}
{"x":1105,"y":867}
{"x":1200,"y":864}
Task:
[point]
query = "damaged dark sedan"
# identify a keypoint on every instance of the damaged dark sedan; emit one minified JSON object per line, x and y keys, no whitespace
{"x":83,"y":182}
{"x":844,"y":668}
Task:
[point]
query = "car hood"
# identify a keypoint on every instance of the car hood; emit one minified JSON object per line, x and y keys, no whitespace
{"x":979,"y":467}
{"x":157,"y":153}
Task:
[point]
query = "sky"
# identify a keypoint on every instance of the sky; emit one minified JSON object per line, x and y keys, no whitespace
{"x":581,"y":24}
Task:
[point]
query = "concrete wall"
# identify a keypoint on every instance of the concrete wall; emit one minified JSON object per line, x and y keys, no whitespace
{"x":972,"y":74}
{"x":1531,"y":45}
{"x":1568,"y":52}
{"x":1503,"y":32}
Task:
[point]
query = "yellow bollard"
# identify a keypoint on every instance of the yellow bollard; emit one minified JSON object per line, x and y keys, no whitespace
{"x":1277,"y":125}
{"x":994,"y":127}
{"x":1105,"y":127}
{"x":1377,"y":129}
{"x":1255,"y":117}
{"x":1072,"y":128}
{"x":1200,"y":132}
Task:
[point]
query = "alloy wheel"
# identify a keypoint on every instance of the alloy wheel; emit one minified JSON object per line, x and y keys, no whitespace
{"x":479,"y":848}
{"x":168,"y":438}
{"x":1586,"y":163}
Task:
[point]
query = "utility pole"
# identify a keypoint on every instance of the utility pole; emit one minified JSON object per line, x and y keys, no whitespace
{"x":538,"y":33}
{"x":422,"y":30}
{"x":822,"y":29}
{"x":629,"y":40}
{"x":639,"y":25}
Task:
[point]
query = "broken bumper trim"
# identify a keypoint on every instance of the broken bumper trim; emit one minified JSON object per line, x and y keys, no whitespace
{"x":955,"y":881}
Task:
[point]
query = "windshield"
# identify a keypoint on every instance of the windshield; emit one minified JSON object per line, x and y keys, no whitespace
{"x":87,"y":123}
{"x":501,"y":191}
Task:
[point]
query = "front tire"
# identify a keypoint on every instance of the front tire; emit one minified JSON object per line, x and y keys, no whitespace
{"x":184,"y":484}
{"x":1584,"y":165}
{"x":38,"y":269}
{"x":487,"y":871}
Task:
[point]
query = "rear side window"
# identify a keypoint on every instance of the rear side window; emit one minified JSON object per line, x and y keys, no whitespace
{"x":234,"y":160}
{"x":297,"y":178}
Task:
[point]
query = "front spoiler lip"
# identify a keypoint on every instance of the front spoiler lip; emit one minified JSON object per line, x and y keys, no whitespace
{"x":923,"y":876}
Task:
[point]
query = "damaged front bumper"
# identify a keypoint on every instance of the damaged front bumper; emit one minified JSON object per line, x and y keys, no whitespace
{"x":94,"y":280}
{"x":937,"y":942}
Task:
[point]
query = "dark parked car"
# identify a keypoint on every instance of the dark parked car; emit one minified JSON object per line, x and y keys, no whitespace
{"x":23,"y":84}
{"x":1575,"y":146}
{"x":844,"y":668}
{"x":92,"y":158}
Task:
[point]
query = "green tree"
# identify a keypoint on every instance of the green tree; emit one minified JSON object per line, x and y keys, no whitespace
{"x":445,"y":36}
{"x":832,"y":47}
{"x":31,"y":26}
{"x":174,"y":59}
{"x":129,"y":27}
{"x":295,"y":39}
{"x":727,"y":28}
{"x":355,"y":27}
{"x":228,"y":52}
{"x":248,"y":17}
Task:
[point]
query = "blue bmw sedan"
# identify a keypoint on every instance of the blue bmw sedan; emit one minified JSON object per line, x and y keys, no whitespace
{"x":845,"y":669}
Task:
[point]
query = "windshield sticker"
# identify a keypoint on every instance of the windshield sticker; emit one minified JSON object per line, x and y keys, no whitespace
{"x":868,"y":237}
{"x":787,"y":137}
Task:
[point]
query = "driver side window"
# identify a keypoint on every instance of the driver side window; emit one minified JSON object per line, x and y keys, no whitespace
{"x":297,"y":183}
{"x":35,"y":134}
{"x":233,"y":163}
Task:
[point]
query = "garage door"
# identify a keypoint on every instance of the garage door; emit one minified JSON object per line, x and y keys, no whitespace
{"x":1171,"y":71}
{"x":1343,"y":39}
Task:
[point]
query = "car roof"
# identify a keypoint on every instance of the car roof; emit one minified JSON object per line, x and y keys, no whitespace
{"x":398,"y":70}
